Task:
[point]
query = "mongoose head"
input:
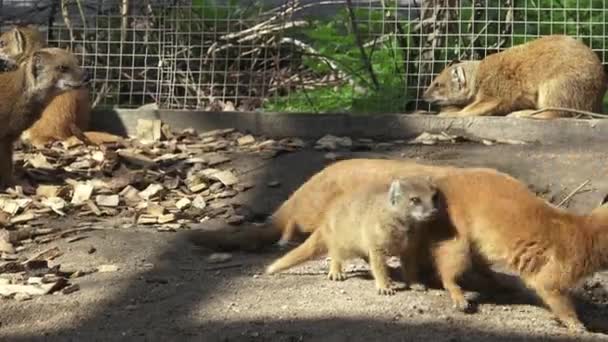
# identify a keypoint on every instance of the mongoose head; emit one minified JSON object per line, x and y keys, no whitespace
{"x":415,"y":197}
{"x":454,"y":86}
{"x":19,"y":43}
{"x":52,"y":70}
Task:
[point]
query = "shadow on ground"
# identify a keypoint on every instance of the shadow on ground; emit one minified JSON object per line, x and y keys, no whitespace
{"x":170,"y":293}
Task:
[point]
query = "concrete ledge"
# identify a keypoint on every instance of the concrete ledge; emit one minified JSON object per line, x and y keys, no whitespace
{"x":389,"y":126}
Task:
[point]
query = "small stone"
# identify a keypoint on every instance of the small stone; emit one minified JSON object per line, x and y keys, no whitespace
{"x":91,"y":250}
{"x":216,"y":258}
{"x":273,"y":184}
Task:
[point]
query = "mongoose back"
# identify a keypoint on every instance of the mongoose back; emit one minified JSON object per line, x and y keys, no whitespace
{"x":498,"y":219}
{"x":303,"y":211}
{"x":27,"y":90}
{"x":550,"y":72}
{"x":373,"y":223}
{"x":67,"y":114}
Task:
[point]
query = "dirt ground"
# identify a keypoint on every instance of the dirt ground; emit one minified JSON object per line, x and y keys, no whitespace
{"x":165,"y":290}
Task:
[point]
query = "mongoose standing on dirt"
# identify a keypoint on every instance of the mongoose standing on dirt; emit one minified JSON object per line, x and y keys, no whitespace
{"x":550,"y":72}
{"x":304,"y":210}
{"x":372,"y":223}
{"x":26,"y":91}
{"x":68,"y":114}
{"x":497,"y":219}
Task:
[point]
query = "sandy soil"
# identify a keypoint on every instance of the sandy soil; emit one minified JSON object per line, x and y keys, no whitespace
{"x":165,"y":289}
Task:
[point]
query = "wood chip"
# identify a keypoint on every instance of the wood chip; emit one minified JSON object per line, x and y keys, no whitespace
{"x":199,"y":202}
{"x":151,"y":191}
{"x":82,"y":193}
{"x":198,"y":187}
{"x":32,"y":290}
{"x":183,"y":203}
{"x":27,"y":216}
{"x":57,"y":204}
{"x":166,"y":218}
{"x":147,"y":219}
{"x":107,"y":200}
{"x":245,"y":140}
{"x":155,"y":209}
{"x":148,"y":131}
{"x":47,"y":254}
{"x":39,"y":161}
{"x":49,"y":190}
{"x":214,"y":159}
{"x":107,"y":268}
{"x":226,"y":177}
{"x":136,"y":158}
{"x":93,"y":208}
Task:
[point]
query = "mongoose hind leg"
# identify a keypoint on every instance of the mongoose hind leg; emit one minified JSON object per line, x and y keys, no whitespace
{"x":453,"y":259}
{"x":561,"y":304}
{"x":377,"y":263}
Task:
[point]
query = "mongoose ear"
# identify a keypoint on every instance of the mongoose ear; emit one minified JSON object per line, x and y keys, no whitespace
{"x":395,"y":192}
{"x":460,"y":77}
{"x":604,"y":201}
{"x":37,"y":63}
{"x":453,"y":61}
{"x":20,"y":39}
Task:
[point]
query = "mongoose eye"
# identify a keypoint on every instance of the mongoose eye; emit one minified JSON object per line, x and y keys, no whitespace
{"x":415,"y":200}
{"x":2,"y":44}
{"x":62,"y":68}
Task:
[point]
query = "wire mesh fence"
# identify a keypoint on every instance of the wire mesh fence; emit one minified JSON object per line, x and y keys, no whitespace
{"x":290,"y":55}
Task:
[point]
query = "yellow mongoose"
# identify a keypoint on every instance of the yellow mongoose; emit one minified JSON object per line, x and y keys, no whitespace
{"x":372,"y":223}
{"x":553,"y":71}
{"x":498,"y":219}
{"x":304,"y":210}
{"x":67,"y":114}
{"x":27,"y":90}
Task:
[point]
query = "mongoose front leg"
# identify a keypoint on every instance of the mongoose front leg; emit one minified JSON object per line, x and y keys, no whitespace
{"x":377,"y":263}
{"x":6,"y":163}
{"x":477,"y":108}
{"x":453,"y":259}
{"x":335,"y":268}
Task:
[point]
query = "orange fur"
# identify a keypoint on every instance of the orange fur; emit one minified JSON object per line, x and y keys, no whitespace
{"x":498,"y":219}
{"x":66,"y":115}
{"x":305,"y":209}
{"x":552,"y":71}
{"x":47,"y":73}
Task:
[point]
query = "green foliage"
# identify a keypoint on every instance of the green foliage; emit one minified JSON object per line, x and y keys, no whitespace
{"x":333,"y":40}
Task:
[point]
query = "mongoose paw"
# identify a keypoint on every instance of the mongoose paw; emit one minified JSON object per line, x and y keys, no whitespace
{"x":386,"y":291}
{"x":463,"y":306}
{"x":336,"y":276}
{"x":416,"y":287}
{"x":575,"y":327}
